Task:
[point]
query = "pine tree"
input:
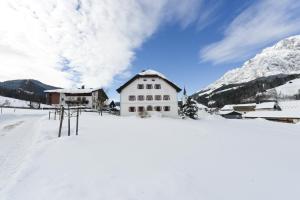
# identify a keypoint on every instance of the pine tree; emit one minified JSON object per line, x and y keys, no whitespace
{"x":112,"y":105}
{"x":189,"y":109}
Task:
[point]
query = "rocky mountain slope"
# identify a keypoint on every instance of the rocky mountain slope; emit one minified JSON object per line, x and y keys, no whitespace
{"x":273,"y":67}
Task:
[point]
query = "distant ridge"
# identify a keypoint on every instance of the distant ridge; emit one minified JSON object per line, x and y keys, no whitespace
{"x":25,"y":89}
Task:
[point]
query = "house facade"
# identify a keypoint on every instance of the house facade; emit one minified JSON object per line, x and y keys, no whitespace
{"x":149,"y":92}
{"x":89,"y":98}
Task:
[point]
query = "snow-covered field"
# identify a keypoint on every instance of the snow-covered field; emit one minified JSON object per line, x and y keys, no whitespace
{"x":147,"y":159}
{"x":11,"y":102}
{"x":7,"y":101}
{"x":291,"y":88}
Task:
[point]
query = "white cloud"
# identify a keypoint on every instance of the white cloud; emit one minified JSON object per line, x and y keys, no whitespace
{"x":95,"y":39}
{"x":257,"y":26}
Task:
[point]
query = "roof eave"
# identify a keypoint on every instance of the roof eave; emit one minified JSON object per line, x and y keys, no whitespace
{"x":119,"y":90}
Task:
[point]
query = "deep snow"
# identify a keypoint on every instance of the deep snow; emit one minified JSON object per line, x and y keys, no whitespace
{"x":156,"y":158}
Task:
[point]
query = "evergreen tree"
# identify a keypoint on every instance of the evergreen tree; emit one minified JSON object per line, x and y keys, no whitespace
{"x":189,"y":109}
{"x":112,"y":105}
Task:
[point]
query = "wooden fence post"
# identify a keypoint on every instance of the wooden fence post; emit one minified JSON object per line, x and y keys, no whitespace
{"x":61,"y":120}
{"x":49,"y":115}
{"x":77,"y":116}
{"x":55,"y":114}
{"x":69,"y":131}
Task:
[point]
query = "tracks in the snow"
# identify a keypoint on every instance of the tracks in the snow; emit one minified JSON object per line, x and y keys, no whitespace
{"x":16,"y":139}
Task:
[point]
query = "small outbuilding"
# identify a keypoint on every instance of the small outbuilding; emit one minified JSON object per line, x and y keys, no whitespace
{"x":239,"y":107}
{"x":279,"y":116}
{"x":231,"y":114}
{"x":267,"y":106}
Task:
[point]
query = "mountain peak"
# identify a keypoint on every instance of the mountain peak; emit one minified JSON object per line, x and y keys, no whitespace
{"x":282,"y":58}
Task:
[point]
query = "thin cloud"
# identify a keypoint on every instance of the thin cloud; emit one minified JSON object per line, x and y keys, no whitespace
{"x":97,"y":38}
{"x":257,"y":26}
{"x":209,"y":13}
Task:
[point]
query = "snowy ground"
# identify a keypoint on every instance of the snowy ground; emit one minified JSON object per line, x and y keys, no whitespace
{"x":7,"y":101}
{"x":291,"y":88}
{"x":158,"y":158}
{"x":11,"y":102}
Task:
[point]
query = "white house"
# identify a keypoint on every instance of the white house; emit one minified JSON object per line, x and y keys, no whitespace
{"x":89,"y":98}
{"x":149,"y":92}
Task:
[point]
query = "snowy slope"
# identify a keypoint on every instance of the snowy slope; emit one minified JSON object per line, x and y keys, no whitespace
{"x":282,"y":58}
{"x":290,"y":88}
{"x":163,"y":159}
{"x":7,"y":101}
{"x":11,"y":102}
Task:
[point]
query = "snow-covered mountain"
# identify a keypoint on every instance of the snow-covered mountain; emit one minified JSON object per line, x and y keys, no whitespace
{"x":282,"y":58}
{"x":274,"y":66}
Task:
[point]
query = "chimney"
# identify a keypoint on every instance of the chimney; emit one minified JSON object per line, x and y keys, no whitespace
{"x":82,"y":87}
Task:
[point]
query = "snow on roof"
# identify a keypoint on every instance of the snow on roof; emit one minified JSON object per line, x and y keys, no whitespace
{"x":273,"y":114}
{"x":231,"y":106}
{"x":289,"y":105}
{"x":72,"y":90}
{"x":265,"y":105}
{"x":227,"y":107}
{"x":151,"y":72}
{"x":225,"y":112}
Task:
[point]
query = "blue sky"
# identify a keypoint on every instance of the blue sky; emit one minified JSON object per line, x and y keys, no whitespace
{"x":176,"y":51}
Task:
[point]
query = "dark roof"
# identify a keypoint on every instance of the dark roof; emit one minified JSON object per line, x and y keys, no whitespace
{"x":178,"y":89}
{"x":231,"y":113}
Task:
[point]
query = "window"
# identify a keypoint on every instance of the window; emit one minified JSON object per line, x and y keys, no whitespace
{"x":157,"y":108}
{"x":83,"y":99}
{"x":78,"y":99}
{"x":131,"y":109}
{"x":157,"y":86}
{"x":141,"y":98}
{"x":166,"y":97}
{"x":157,"y":97}
{"x":149,"y":97}
{"x":149,"y":108}
{"x":145,"y":79}
{"x":149,"y":86}
{"x":167,"y":108}
{"x":140,"y":86}
{"x":141,"y":109}
{"x":153,"y":79}
{"x":131,"y":98}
